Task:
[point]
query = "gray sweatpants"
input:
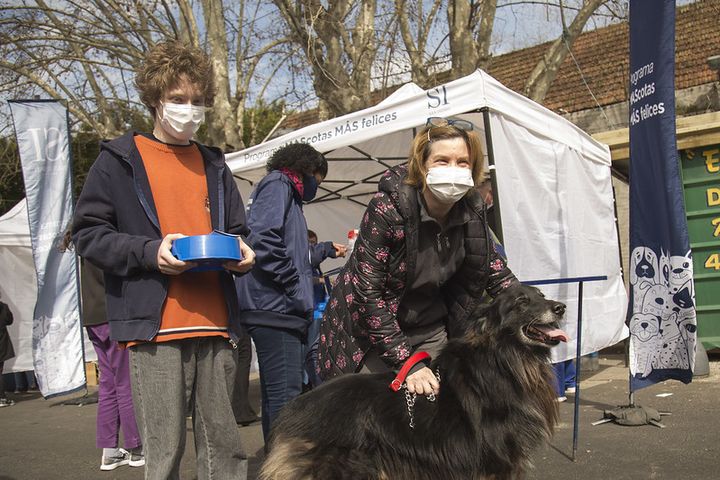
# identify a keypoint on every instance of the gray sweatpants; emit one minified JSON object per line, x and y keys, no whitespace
{"x":170,"y":380}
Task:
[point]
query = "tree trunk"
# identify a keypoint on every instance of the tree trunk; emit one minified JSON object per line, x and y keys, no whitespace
{"x":222,"y":124}
{"x":416,"y":46}
{"x":470,"y":29}
{"x":340,"y":55}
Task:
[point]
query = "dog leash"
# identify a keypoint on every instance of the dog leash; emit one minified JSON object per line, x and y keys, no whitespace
{"x":397,"y":383}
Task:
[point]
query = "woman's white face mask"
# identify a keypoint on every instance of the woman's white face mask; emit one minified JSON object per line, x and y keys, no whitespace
{"x":181,"y":121}
{"x":449,"y":184}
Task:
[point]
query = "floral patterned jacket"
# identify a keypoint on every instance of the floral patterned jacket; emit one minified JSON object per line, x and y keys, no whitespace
{"x":362,"y":311}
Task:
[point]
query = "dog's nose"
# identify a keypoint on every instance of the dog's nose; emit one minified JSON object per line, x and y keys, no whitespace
{"x":559,"y":308}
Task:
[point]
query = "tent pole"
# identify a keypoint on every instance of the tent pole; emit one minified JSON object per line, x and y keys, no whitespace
{"x":578,"y":358}
{"x":493,"y":177}
{"x":620,"y":259}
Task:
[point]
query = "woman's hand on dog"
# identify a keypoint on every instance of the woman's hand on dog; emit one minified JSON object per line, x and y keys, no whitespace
{"x":423,"y":382}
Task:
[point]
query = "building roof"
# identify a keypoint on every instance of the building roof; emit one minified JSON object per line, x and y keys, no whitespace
{"x":603,"y":57}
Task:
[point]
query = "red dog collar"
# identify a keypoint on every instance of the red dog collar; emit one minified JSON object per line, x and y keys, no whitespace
{"x":409,"y":363}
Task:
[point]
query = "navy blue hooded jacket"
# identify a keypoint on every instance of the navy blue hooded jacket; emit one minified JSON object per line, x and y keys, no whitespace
{"x":278,"y":291}
{"x":116,"y":228}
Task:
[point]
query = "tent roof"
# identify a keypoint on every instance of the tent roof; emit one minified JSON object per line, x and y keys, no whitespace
{"x":372,"y":140}
{"x":14,"y":230}
{"x":410,"y":106}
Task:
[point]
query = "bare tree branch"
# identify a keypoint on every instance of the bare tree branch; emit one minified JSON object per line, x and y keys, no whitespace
{"x":541,"y":78}
{"x":86,"y":52}
{"x":340,"y":45}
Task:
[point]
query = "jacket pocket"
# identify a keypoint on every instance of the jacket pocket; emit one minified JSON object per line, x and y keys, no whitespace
{"x":302,"y":301}
{"x":143,"y":297}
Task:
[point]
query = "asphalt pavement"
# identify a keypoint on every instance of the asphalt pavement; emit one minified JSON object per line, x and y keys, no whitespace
{"x":50,"y":439}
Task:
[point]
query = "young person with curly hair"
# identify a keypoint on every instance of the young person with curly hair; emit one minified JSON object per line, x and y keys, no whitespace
{"x":143,"y":192}
{"x":276,"y":297}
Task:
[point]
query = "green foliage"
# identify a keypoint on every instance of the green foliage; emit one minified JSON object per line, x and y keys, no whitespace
{"x":85,"y":148}
{"x":137,"y":118}
{"x":12,"y":189}
{"x":259,"y":120}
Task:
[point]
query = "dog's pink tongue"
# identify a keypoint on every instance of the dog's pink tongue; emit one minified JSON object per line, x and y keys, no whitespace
{"x":554,"y":333}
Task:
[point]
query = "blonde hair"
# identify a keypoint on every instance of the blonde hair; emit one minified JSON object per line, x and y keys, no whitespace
{"x":420,"y":151}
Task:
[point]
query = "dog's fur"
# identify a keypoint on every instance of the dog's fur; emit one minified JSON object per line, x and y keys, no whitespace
{"x":496,"y":405}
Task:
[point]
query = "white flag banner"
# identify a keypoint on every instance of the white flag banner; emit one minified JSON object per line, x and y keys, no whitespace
{"x":43,"y":139}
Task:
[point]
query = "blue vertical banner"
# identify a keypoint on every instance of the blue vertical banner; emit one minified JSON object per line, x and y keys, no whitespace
{"x":43,"y":140}
{"x":661,"y":313}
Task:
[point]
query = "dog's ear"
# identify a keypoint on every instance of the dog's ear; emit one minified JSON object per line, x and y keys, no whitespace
{"x":474,"y":322}
{"x":525,"y":295}
{"x":515,"y":298}
{"x":510,"y":298}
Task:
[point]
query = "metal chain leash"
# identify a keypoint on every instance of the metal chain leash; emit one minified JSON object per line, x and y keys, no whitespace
{"x":410,"y":399}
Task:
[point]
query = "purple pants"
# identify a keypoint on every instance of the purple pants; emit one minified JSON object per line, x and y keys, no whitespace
{"x":115,"y":405}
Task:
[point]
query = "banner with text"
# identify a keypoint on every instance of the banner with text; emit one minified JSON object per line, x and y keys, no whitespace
{"x":661,"y":313}
{"x":43,"y":139}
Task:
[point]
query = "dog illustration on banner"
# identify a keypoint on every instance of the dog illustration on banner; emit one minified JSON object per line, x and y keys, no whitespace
{"x":663,"y":319}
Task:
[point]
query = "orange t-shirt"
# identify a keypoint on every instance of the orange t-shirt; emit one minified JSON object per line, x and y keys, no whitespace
{"x":195,"y":304}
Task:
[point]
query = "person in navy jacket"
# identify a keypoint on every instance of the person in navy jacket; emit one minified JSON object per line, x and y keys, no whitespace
{"x":276,"y":296}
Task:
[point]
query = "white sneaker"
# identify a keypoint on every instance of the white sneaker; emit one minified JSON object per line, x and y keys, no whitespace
{"x":111,"y":463}
{"x":570,"y":390}
{"x":137,"y":459}
{"x":561,"y":399}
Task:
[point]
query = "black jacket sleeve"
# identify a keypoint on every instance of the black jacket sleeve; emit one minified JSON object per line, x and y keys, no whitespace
{"x":267,"y":223}
{"x":95,"y":231}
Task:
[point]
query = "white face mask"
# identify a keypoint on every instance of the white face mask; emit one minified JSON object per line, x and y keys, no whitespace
{"x":449,"y":184}
{"x":181,"y":120}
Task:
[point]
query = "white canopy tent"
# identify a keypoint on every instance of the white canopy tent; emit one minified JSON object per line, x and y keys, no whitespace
{"x":553,"y":188}
{"x":18,"y":286}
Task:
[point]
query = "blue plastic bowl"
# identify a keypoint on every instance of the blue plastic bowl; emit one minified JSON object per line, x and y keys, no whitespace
{"x":208,"y":251}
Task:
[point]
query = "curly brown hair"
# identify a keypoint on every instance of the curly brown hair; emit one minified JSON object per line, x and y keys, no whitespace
{"x":300,"y":157}
{"x":420,"y":151}
{"x":163,"y":66}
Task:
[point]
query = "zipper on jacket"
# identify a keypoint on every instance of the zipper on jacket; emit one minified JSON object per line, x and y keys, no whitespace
{"x":141,"y":196}
{"x":442,"y":238}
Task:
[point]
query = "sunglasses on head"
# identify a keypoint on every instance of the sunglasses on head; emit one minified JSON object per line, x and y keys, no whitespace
{"x":448,"y":122}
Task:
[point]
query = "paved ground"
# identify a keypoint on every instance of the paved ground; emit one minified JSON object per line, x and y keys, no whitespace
{"x":44,"y":439}
{"x":687,"y":448}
